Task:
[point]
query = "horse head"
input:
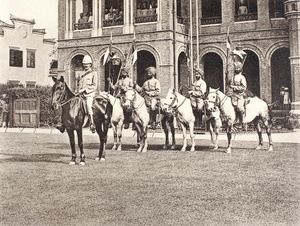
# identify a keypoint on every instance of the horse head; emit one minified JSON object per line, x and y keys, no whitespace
{"x":129,"y":100}
{"x":212,"y":100}
{"x":58,"y":92}
{"x":171,"y":100}
{"x":164,"y":106}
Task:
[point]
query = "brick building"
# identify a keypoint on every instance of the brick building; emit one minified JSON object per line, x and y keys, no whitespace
{"x":268,"y":31}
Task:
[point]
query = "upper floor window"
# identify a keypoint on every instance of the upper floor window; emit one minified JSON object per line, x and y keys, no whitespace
{"x":31,"y":58}
{"x":211,"y":12}
{"x":179,"y":12}
{"x":245,"y":10}
{"x":114,"y":13}
{"x":276,"y":8}
{"x":15,"y":58}
{"x":84,"y":14}
{"x":146,"y":11}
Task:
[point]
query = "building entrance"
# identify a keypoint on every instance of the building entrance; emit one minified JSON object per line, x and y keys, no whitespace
{"x":145,"y":59}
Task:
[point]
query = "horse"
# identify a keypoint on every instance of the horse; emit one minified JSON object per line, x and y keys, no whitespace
{"x":167,"y":121}
{"x":117,"y":119}
{"x":256,"y":111}
{"x":74,"y":117}
{"x":134,"y":102}
{"x":184,"y":112}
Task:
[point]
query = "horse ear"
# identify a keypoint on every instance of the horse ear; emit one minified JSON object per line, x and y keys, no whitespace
{"x":62,"y":79}
{"x":173,"y":90}
{"x":54,"y":78}
{"x":218,"y":89}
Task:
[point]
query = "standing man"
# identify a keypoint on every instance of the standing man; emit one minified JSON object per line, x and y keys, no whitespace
{"x":151,"y":91}
{"x":120,"y":88}
{"x":197,"y":95}
{"x":238,"y":85}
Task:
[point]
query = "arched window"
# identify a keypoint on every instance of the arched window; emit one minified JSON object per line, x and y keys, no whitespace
{"x":294,"y":6}
{"x":114,"y":13}
{"x":211,"y":12}
{"x":276,"y":8}
{"x":146,"y":11}
{"x":245,"y":10}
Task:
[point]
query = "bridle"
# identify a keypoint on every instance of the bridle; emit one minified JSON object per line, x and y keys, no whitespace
{"x":175,"y":107}
{"x":217,"y":102}
{"x":133,"y":101}
{"x":62,"y":98}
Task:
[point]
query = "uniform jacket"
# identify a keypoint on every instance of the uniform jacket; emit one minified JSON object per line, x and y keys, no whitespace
{"x":88,"y":83}
{"x":152,"y":87}
{"x":199,"y":88}
{"x":239,"y":83}
{"x":123,"y":85}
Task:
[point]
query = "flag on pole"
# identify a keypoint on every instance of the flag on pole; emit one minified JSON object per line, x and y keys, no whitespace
{"x":133,"y":50}
{"x":228,"y":42}
{"x":108,"y":51}
{"x":188,"y":49}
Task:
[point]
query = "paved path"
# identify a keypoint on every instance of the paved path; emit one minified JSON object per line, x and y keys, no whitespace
{"x":284,"y":137}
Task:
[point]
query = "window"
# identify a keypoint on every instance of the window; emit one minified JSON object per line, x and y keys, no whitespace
{"x":276,"y":8}
{"x":114,"y":13}
{"x":146,"y":11}
{"x":31,"y":58}
{"x":15,"y":58}
{"x":245,"y":10}
{"x":211,"y":12}
{"x":84,"y":14}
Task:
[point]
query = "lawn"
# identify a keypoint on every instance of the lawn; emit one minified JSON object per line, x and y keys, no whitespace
{"x":204,"y":187}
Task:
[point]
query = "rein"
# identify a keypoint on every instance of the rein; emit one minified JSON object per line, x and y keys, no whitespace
{"x":61,"y":98}
{"x":134,"y":99}
{"x":173,"y":101}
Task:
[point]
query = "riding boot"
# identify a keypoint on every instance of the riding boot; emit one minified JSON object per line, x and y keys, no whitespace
{"x":126,"y":119}
{"x":92,"y":125}
{"x":153,"y":120}
{"x":60,"y":127}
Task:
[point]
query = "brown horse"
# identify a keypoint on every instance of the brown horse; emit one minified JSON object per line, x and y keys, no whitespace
{"x":74,"y":117}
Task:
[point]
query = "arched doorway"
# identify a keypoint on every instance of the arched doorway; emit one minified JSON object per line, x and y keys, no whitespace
{"x":76,"y":71}
{"x":144,"y":59}
{"x":251,"y":72}
{"x":280,"y":73}
{"x":183,"y":73}
{"x":112,"y":70}
{"x":213,"y":71}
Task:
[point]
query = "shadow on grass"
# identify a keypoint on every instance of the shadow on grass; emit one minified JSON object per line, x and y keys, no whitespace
{"x":52,"y":157}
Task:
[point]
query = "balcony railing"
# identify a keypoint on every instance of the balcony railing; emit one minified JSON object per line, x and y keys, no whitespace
{"x":211,"y":20}
{"x":245,"y":17}
{"x":113,"y":22}
{"x":145,"y":19}
{"x":81,"y":26}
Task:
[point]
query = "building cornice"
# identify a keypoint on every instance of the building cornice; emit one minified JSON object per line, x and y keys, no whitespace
{"x":14,"y":18}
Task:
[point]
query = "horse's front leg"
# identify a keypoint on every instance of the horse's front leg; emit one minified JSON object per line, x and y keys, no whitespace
{"x":144,"y":138}
{"x":72,"y":144}
{"x":102,"y":133}
{"x":171,"y":124}
{"x":166,"y":131}
{"x":184,"y":137}
{"x":212,"y":135}
{"x":268,"y":130}
{"x":192,"y":135}
{"x":216,"y":131}
{"x":119,"y":134}
{"x":114,"y":127}
{"x":229,"y":135}
{"x":259,"y":132}
{"x":80,"y":145}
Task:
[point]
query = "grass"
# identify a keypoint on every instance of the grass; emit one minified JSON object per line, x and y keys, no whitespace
{"x":206,"y":187}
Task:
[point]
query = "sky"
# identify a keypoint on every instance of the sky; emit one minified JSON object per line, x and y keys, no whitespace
{"x":43,"y":11}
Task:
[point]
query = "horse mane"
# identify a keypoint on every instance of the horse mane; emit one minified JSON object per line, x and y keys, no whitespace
{"x":69,"y":91}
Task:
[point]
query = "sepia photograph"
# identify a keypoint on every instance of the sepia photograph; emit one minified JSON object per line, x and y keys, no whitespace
{"x":150,"y":112}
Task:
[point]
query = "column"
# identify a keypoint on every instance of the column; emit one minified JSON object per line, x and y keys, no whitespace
{"x":95,"y":18}
{"x":128,"y":17}
{"x":159,"y":13}
{"x":67,"y":19}
{"x":263,"y":14}
{"x":292,"y":13}
{"x":70,"y":19}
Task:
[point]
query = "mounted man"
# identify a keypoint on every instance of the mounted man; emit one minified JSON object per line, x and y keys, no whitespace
{"x":151,"y":91}
{"x":87,"y":86}
{"x":238,"y":85}
{"x":197,"y":94}
{"x":120,"y":87}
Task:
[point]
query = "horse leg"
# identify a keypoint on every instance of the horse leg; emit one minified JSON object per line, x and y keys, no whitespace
{"x":102,"y":133}
{"x":258,"y":130}
{"x":229,"y":135}
{"x":192,"y":135}
{"x":119,"y":134}
{"x":114,"y":127}
{"x":166,"y":131}
{"x":184,"y":137}
{"x":268,"y":130}
{"x":80,"y":145}
{"x":145,"y":143}
{"x":72,"y":144}
{"x":211,"y":133}
{"x":140,"y":140}
{"x":216,"y":131}
{"x":171,"y":124}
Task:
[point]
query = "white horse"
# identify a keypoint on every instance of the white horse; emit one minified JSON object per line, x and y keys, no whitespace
{"x":257,"y":110}
{"x":184,"y":113}
{"x":117,"y":119}
{"x":134,"y":102}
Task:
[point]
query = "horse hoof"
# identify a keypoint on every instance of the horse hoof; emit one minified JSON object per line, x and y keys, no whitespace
{"x":72,"y":163}
{"x":216,"y":147}
{"x":182,"y":149}
{"x":119,"y":148}
{"x":97,"y":158}
{"x":114,"y":148}
{"x":173,"y":147}
{"x":192,"y":149}
{"x":228,"y":151}
{"x":144,"y":150}
{"x":82,"y":163}
{"x":270,"y":148}
{"x":259,"y":147}
{"x":139,"y":150}
{"x":165,"y":147}
{"x":102,"y":159}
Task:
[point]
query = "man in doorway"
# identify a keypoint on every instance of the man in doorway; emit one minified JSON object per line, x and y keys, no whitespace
{"x":150,"y":91}
{"x":197,"y":94}
{"x":120,"y":88}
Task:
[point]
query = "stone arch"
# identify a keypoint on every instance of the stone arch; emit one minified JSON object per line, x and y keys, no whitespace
{"x":102,"y":52}
{"x":153,"y":51}
{"x":275,"y":46}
